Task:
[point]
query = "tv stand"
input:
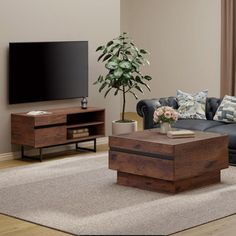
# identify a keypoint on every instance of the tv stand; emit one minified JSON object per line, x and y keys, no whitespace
{"x":58,"y":127}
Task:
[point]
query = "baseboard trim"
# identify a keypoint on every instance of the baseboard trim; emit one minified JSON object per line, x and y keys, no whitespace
{"x":16,"y":155}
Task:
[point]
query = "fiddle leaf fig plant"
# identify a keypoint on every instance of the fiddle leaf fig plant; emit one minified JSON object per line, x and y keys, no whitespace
{"x":123,"y":61}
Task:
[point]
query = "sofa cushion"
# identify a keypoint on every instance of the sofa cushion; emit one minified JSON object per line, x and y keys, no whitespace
{"x":229,"y":129}
{"x":227,"y":110}
{"x":192,"y":106}
{"x":200,"y":125}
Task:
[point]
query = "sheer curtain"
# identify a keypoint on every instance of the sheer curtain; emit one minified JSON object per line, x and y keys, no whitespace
{"x":228,"y":47}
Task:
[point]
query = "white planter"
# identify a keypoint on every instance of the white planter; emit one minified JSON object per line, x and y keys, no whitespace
{"x":123,"y":128}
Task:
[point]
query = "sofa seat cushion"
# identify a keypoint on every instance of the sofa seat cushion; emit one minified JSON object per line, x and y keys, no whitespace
{"x":200,"y":125}
{"x":229,"y":129}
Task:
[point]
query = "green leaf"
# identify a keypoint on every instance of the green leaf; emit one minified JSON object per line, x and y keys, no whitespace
{"x":138,"y":79}
{"x":134,"y":94}
{"x":147,"y":77}
{"x":147,"y":86}
{"x":139,"y":61}
{"x":100,"y":78}
{"x":130,"y":82}
{"x":100,"y":48}
{"x":107,"y":92}
{"x":147,"y":61}
{"x":110,"y":77}
{"x":115,"y":59}
{"x":128,"y":53}
{"x":100,"y":57}
{"x":102,"y":86}
{"x":111,"y":65}
{"x":144,"y":51}
{"x":127,"y":75}
{"x":139,"y":89}
{"x":125,"y":65}
{"x":109,"y":43}
{"x":118,"y":72}
{"x":114,"y":47}
{"x":107,"y":57}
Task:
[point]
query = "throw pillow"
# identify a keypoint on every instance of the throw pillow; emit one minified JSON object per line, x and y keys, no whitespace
{"x":192,"y":106}
{"x":227,"y":110}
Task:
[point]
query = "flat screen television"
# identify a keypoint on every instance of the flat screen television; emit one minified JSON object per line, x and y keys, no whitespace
{"x":43,"y":71}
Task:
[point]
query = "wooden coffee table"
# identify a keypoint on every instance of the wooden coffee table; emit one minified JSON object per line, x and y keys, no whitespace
{"x":150,"y":160}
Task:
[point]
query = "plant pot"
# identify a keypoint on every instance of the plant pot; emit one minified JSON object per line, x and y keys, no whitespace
{"x":123,"y":127}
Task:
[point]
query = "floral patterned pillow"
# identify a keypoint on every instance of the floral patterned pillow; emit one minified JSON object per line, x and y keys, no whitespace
{"x":227,"y":110}
{"x":192,"y":106}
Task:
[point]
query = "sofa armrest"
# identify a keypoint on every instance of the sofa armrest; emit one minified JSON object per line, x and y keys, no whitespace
{"x":145,"y":108}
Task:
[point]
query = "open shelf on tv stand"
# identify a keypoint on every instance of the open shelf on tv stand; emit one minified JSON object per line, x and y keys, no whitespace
{"x":60,"y":127}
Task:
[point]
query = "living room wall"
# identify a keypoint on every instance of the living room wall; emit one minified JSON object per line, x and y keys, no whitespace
{"x":183,"y":37}
{"x":55,"y":20}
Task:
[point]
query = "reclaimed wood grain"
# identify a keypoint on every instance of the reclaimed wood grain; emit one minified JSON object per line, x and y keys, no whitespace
{"x":155,"y":184}
{"x":182,"y":164}
{"x":51,"y":129}
{"x":141,"y":165}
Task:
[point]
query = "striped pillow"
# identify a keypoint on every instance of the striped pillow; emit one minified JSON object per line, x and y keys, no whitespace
{"x":227,"y":110}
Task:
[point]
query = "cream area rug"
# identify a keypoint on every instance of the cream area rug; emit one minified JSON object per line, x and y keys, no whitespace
{"x":79,"y":195}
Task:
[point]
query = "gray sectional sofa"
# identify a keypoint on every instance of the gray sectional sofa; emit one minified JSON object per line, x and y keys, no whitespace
{"x":145,"y":108}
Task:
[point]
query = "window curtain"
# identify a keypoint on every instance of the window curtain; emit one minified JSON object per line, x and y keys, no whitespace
{"x":228,"y":48}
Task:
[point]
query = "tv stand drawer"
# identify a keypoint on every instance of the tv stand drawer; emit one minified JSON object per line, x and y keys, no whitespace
{"x":50,"y":119}
{"x":50,"y":136}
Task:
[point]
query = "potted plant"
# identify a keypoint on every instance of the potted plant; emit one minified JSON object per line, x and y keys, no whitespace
{"x":123,"y":61}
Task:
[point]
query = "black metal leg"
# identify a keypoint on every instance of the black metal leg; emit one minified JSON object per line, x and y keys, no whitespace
{"x":41,"y":154}
{"x":95,"y":145}
{"x":22,"y":151}
{"x":94,"y":149}
{"x":31,"y":157}
{"x":40,"y":157}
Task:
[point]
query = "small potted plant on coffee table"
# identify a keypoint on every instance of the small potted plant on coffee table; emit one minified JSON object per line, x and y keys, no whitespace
{"x":123,"y":61}
{"x":165,"y":116}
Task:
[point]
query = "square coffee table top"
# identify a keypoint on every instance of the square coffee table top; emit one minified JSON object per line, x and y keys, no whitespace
{"x":154,"y":136}
{"x":152,"y":141}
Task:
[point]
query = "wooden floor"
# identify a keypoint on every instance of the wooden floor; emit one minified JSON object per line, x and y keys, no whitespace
{"x":13,"y":227}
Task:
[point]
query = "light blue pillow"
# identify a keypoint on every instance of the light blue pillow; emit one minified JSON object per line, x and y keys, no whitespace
{"x":192,"y":106}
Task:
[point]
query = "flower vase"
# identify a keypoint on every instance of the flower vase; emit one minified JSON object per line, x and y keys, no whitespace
{"x":165,"y":127}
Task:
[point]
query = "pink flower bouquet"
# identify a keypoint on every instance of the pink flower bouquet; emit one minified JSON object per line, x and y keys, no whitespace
{"x":165,"y":114}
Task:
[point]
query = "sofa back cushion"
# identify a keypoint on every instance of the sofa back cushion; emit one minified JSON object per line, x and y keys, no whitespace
{"x":227,"y":110}
{"x":192,"y":106}
{"x":212,"y":104}
{"x":169,"y":101}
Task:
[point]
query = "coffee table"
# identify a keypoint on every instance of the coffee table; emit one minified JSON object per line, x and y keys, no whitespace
{"x":150,"y":160}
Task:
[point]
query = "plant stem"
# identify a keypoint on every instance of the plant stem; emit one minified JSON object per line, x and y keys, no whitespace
{"x":123,"y":108}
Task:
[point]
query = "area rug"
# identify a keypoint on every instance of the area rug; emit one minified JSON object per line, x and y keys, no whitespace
{"x":79,"y":195}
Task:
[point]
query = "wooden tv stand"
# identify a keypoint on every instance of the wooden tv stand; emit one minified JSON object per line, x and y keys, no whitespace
{"x":42,"y":131}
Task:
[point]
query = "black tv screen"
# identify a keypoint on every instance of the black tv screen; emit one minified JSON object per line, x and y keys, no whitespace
{"x":43,"y":71}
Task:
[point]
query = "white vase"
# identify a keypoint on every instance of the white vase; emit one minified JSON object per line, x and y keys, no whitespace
{"x":165,"y":127}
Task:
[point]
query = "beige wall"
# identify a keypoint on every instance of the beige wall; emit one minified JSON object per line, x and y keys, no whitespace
{"x":183,"y":37}
{"x":49,"y":20}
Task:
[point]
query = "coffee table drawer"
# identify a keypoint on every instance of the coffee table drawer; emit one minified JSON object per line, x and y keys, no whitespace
{"x":141,"y":165}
